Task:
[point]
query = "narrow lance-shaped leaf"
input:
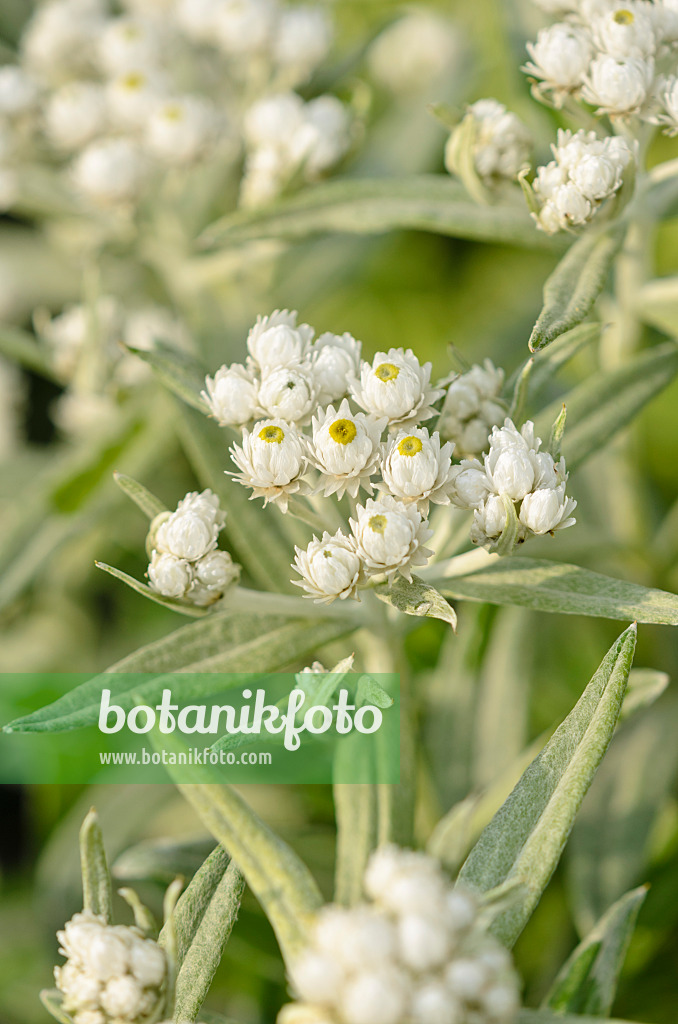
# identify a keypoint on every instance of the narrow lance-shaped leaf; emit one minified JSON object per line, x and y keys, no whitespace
{"x":416,"y":598}
{"x":371,"y":206}
{"x":178,"y":371}
{"x":557,"y":587}
{"x":193,"y":611}
{"x":573,"y":287}
{"x":587,"y":983}
{"x":142,"y":498}
{"x":204,"y":954}
{"x":606,"y":402}
{"x":97,"y":891}
{"x":194,"y":900}
{"x":355,"y":811}
{"x":524,"y":841}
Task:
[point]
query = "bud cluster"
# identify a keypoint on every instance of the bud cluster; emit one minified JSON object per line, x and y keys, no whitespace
{"x":413,"y":952}
{"x":112,"y":973}
{"x":501,"y":142}
{"x":471,"y":408}
{"x":612,"y":54}
{"x":114,"y":97}
{"x":585,"y":173}
{"x":515,"y":479}
{"x":185,"y":561}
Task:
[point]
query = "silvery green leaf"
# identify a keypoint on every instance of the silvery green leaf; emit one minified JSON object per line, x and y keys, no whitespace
{"x":204,"y":953}
{"x":645,"y":686}
{"x":369,"y":691}
{"x":605,"y":402}
{"x":587,"y":982}
{"x":175,"y":604}
{"x":546,"y":363}
{"x":572,"y":289}
{"x":460,"y":154}
{"x":557,"y":432}
{"x":160,"y":860}
{"x":611,"y":847}
{"x":194,"y":900}
{"x":526,"y":1016}
{"x":520,"y":392}
{"x":371,"y":206}
{"x":524,"y":841}
{"x":224,"y":642}
{"x":52,"y":999}
{"x":21,"y":347}
{"x":97,"y":890}
{"x":561,"y":588}
{"x":657,"y":304}
{"x":142,"y":498}
{"x":177,"y":370}
{"x":355,"y":811}
{"x":276,"y":875}
{"x":416,"y":598}
{"x":253,"y":533}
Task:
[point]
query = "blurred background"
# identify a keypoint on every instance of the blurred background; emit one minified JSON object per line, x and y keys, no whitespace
{"x":59,"y":510}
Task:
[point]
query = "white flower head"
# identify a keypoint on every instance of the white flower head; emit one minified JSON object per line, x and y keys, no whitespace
{"x":469,"y":485}
{"x":288,"y":393}
{"x":335,"y":358}
{"x":75,"y":114}
{"x":625,"y":31}
{"x":547,"y":509}
{"x":60,"y":38}
{"x":346,"y":449}
{"x":169,"y":575}
{"x":128,"y":43}
{"x":277,"y":340}
{"x":503,"y":142}
{"x":244,"y":27}
{"x":619,"y":86}
{"x":272,"y":460}
{"x":560,"y":58}
{"x":417,"y":469}
{"x":396,"y":386}
{"x":490,"y":520}
{"x":216,"y":571}
{"x":390,"y":537}
{"x":668,"y":97}
{"x":302,"y":39}
{"x":109,"y":171}
{"x":192,"y":529}
{"x":132,"y":96}
{"x":232,"y":395}
{"x":415,"y":53}
{"x":273,"y":120}
{"x":471,"y":408}
{"x":180,"y":128}
{"x":330,"y":568}
{"x":325,"y":136}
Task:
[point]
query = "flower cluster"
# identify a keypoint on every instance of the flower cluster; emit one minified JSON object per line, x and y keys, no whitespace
{"x":185,"y":561}
{"x":501,"y":142}
{"x":585,"y":173}
{"x":414,"y":952}
{"x":471,"y":408}
{"x":115,"y":97}
{"x":515,"y":479}
{"x":112,"y":973}
{"x":619,"y":57}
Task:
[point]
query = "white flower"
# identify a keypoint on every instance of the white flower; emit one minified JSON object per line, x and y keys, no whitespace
{"x":345,"y":448}
{"x":547,"y":509}
{"x":560,"y":57}
{"x":274,"y":120}
{"x":626,"y":31}
{"x":75,"y":114}
{"x":570,"y":205}
{"x":396,"y":386}
{"x":272,"y":460}
{"x":416,"y":468}
{"x":376,"y":996}
{"x":192,"y":529}
{"x":60,"y":38}
{"x":216,"y":571}
{"x":244,"y":27}
{"x":471,"y":409}
{"x":111,"y":170}
{"x":618,"y":86}
{"x":390,"y":537}
{"x":18,"y":92}
{"x":510,"y":471}
{"x":276,"y":341}
{"x":416,"y":52}
{"x":147,"y":963}
{"x":288,"y":393}
{"x":324,"y":137}
{"x":502,"y":143}
{"x":469,"y":484}
{"x":122,"y":998}
{"x":329,"y":568}
{"x":489,"y":521}
{"x":302,"y":39}
{"x":232,"y":395}
{"x":668,"y":95}
{"x":169,"y":575}
{"x":335,"y":358}
{"x":127,"y":44}
{"x":197,"y":18}
{"x":131,"y":97}
{"x":179,"y":129}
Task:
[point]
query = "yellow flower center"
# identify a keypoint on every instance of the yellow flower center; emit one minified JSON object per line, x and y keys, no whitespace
{"x":386,"y":372}
{"x":343,"y":431}
{"x":134,"y":80}
{"x":410,"y":446}
{"x":173,"y":112}
{"x":623,"y":17}
{"x":378,"y":523}
{"x":271,"y":434}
